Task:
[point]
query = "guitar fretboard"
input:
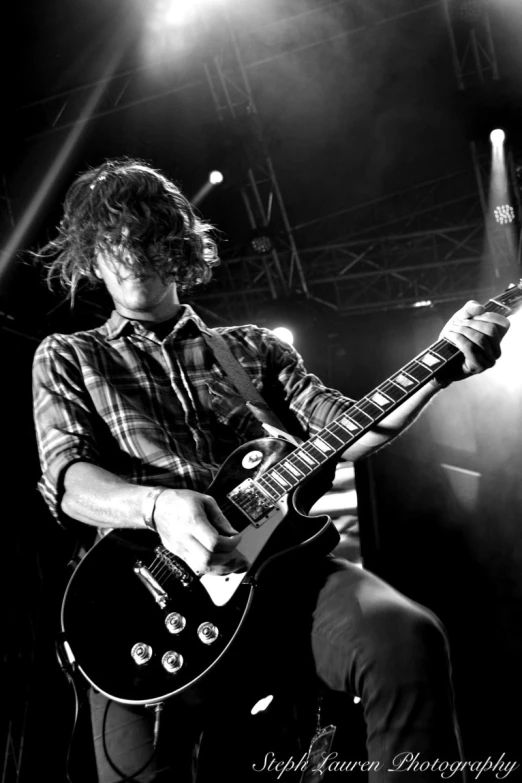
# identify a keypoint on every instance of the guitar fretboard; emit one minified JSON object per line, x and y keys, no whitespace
{"x":367,"y":412}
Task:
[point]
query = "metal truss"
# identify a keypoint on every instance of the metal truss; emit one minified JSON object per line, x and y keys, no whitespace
{"x":476,"y":68}
{"x":473,"y":51}
{"x":127,"y":88}
{"x":388,"y":252}
{"x":428,"y":205}
{"x":364,"y":275}
{"x":259,"y":187}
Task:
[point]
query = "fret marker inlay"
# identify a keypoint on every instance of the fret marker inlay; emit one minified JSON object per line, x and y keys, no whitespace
{"x":403,"y":380}
{"x":348,"y":424}
{"x":430,"y":359}
{"x":325,"y":448}
{"x":380,"y":399}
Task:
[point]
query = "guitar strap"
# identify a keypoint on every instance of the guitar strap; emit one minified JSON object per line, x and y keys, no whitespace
{"x":321,"y":743}
{"x":242,"y":382}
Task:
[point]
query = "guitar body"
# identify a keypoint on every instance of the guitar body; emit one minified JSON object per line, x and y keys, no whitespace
{"x":143,"y":628}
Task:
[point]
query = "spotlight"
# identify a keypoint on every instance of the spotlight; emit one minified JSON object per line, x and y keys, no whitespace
{"x":261,"y":242}
{"x":504,"y":214}
{"x":284,"y":334}
{"x":174,"y":13}
{"x":215,"y":177}
{"x":497,"y":137}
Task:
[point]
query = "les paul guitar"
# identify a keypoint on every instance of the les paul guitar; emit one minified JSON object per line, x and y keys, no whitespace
{"x":141,"y":627}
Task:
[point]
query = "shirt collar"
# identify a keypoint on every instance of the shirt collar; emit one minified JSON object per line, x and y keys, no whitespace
{"x":118,"y":324}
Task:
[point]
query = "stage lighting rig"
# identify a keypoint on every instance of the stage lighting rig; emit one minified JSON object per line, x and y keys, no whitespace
{"x":470,"y":11}
{"x":261,"y":242}
{"x":504,"y":214}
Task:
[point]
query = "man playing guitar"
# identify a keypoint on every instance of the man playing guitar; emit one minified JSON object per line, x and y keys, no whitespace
{"x":134,"y":420}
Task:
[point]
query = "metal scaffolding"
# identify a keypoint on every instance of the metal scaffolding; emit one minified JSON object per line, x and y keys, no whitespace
{"x":295,"y":251}
{"x":363,"y":275}
{"x":127,"y":88}
{"x":265,"y":208}
{"x":477,"y":74}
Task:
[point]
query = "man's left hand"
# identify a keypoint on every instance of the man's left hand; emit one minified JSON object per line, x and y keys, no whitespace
{"x":477,"y":334}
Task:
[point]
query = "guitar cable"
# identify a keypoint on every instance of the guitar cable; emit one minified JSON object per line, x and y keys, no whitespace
{"x":125,"y":778}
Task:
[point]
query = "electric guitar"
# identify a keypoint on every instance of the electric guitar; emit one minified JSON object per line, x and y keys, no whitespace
{"x":141,"y":627}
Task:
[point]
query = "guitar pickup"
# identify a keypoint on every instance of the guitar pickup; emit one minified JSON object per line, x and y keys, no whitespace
{"x":154,"y":588}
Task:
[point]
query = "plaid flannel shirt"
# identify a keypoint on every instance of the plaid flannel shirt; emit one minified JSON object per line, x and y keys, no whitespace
{"x":162,"y":412}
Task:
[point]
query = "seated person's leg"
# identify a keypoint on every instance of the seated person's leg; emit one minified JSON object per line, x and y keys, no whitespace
{"x":371,"y":641}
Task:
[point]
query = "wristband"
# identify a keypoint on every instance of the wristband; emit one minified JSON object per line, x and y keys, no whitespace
{"x":149,"y":506}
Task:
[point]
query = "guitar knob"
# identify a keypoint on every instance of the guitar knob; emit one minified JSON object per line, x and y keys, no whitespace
{"x":141,"y":653}
{"x":208,"y":633}
{"x":175,"y":622}
{"x":172,"y":662}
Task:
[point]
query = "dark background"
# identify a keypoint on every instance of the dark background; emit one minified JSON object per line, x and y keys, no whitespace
{"x":372,"y":110}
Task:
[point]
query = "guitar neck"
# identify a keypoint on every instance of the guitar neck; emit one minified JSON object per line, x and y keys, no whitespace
{"x":368,"y":411}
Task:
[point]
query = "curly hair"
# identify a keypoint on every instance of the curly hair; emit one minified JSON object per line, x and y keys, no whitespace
{"x":132,"y":211}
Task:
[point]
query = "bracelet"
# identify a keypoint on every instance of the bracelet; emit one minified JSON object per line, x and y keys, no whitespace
{"x":149,"y":506}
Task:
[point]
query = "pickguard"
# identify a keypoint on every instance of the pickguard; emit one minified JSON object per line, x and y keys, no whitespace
{"x":253,"y":540}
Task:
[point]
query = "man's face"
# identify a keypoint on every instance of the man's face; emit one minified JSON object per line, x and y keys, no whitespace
{"x":144,"y":297}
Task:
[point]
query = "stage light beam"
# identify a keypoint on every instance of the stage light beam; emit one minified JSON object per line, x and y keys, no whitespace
{"x":501,"y":235}
{"x":44,"y":190}
{"x":214,"y":178}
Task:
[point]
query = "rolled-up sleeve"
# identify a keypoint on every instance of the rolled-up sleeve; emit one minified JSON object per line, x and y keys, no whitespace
{"x":314,"y":404}
{"x":63,"y":417}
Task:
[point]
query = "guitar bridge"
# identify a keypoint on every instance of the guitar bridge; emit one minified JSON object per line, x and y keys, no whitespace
{"x":252,"y":502}
{"x":154,"y":588}
{"x":175,"y":566}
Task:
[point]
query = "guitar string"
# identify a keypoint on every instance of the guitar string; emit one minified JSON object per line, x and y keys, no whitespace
{"x":319,"y":457}
{"x":160,"y":567}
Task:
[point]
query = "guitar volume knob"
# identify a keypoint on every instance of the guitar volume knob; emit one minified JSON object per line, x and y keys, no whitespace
{"x":172,"y":661}
{"x":208,"y":633}
{"x":141,"y":653}
{"x":175,"y":622}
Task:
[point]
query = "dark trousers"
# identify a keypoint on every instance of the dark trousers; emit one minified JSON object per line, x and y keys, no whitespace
{"x":360,"y":636}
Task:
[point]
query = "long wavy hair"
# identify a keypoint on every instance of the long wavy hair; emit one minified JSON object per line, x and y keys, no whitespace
{"x":127,"y":209}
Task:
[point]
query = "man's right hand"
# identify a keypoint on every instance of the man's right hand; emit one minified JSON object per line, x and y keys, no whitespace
{"x":192,"y":526}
